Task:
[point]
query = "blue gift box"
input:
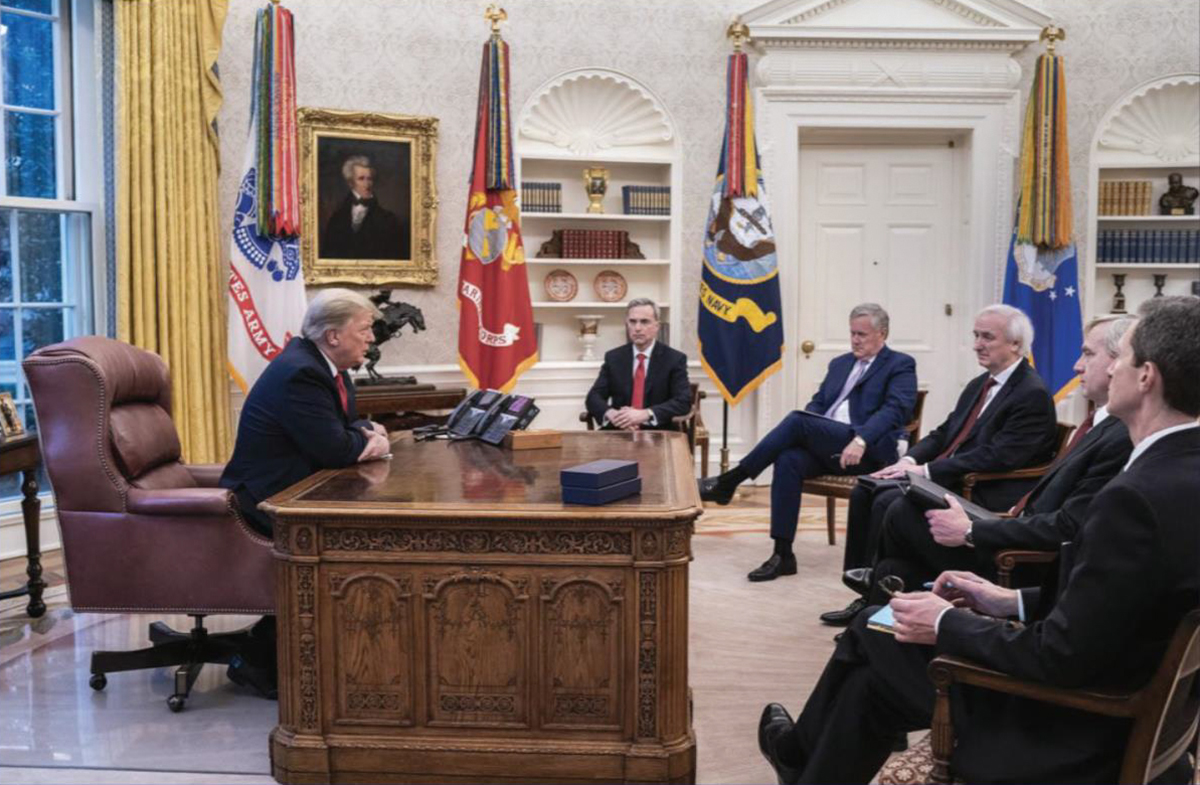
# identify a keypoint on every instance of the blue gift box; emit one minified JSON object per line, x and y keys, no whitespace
{"x":598,"y":474}
{"x":604,"y":495}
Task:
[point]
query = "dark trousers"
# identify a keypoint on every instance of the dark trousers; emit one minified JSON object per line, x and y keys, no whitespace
{"x":872,"y":689}
{"x":864,"y":524}
{"x":908,"y":550}
{"x":800,"y":447}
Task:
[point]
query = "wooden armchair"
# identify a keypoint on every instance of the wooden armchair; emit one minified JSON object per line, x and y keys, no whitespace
{"x":839,"y":486}
{"x":1164,"y":712}
{"x":1029,"y":473}
{"x":691,"y":424}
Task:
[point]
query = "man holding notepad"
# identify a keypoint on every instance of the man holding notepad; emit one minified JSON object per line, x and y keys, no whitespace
{"x":1128,"y":579}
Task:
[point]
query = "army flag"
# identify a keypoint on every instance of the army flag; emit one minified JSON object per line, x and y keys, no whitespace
{"x":739,"y":324}
{"x":496,"y":341}
{"x":266,"y":287}
{"x":1042,"y":273}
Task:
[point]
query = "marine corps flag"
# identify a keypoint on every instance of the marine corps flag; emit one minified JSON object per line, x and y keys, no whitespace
{"x":496,"y":342}
{"x":1042,"y":274}
{"x":266,"y":287}
{"x":741,"y":335}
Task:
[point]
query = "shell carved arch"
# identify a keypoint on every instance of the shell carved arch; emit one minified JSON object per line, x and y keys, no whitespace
{"x":591,"y":111}
{"x":1160,"y":119}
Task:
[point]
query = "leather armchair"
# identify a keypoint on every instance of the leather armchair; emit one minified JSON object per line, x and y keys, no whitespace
{"x":142,"y":532}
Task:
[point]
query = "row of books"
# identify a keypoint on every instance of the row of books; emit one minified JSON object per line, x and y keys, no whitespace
{"x":594,"y":243}
{"x":1125,"y":197}
{"x":1154,"y":246}
{"x":541,"y":197}
{"x":646,"y":199}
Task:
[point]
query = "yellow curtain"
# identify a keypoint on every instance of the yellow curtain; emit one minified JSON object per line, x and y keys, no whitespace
{"x":170,"y":287}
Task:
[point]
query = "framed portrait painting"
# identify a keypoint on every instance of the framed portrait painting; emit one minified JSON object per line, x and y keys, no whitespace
{"x":10,"y":421}
{"x":368,"y":192}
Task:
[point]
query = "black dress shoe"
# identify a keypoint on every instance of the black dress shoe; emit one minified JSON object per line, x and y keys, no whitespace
{"x":858,"y":580}
{"x":246,"y":675}
{"x":773,"y":567}
{"x":713,"y":490}
{"x":774,"y":724}
{"x":845,"y":615}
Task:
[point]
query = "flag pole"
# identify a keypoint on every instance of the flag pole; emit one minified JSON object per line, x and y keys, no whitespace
{"x":738,"y":33}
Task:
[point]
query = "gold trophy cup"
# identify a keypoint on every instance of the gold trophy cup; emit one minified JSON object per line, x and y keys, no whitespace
{"x":595,"y":183}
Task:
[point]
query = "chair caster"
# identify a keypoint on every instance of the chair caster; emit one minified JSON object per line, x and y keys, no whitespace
{"x":98,"y":681}
{"x":175,"y":703}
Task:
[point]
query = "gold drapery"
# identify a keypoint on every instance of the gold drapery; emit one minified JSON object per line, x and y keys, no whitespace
{"x":170,"y":290}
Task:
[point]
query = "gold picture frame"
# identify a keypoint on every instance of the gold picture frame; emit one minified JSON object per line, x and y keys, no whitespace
{"x":10,"y":418}
{"x":393,"y":240}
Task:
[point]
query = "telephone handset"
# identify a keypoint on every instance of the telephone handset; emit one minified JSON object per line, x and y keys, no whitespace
{"x":515,"y":414}
{"x":467,"y":417}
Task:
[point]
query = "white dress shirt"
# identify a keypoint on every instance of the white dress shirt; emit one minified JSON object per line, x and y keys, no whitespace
{"x":842,"y":412}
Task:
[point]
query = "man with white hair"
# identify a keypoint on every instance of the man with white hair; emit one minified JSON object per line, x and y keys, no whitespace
{"x":299,"y":418}
{"x":361,"y":228}
{"x":1004,"y":420}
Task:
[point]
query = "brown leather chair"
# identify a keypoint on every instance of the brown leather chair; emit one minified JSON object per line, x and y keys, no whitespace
{"x":1165,"y":712}
{"x":142,"y":532}
{"x":691,"y":424}
{"x":839,"y":486}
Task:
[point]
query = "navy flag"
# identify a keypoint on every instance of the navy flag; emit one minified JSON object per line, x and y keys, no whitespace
{"x":740,"y":329}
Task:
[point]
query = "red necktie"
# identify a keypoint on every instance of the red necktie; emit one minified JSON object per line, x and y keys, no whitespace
{"x":341,"y":385}
{"x":639,"y":381}
{"x":1076,"y":438}
{"x":970,"y":423}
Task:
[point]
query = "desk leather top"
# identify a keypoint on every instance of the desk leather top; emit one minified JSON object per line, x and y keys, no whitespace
{"x":447,"y":479}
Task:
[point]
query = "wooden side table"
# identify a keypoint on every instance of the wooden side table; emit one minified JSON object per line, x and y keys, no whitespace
{"x":399,"y":407}
{"x":21,"y":454}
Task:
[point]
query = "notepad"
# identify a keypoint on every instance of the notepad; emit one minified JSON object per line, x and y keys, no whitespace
{"x":882,"y":620}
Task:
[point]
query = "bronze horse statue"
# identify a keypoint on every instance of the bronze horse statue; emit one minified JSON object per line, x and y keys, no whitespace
{"x":394,"y":317}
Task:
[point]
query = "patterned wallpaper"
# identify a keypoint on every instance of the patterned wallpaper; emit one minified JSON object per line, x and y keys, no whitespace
{"x":422,"y":57}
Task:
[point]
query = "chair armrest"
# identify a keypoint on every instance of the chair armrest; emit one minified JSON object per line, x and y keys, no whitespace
{"x":971,"y":479}
{"x":945,"y":670}
{"x":179,"y":501}
{"x":206,"y":475}
{"x":1006,"y":560}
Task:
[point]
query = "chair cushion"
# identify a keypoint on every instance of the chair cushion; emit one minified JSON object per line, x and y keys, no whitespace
{"x":144,"y":438}
{"x":913,"y":766}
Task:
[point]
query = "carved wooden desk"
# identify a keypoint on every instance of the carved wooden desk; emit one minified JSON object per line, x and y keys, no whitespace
{"x":21,"y":454}
{"x":443,"y":617}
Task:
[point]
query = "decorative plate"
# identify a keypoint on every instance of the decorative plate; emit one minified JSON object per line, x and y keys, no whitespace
{"x":561,"y":286}
{"x":610,"y":286}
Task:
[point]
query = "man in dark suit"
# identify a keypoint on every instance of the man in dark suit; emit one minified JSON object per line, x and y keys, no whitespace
{"x":862,"y":406}
{"x":1126,"y":581}
{"x":644,"y":383}
{"x":917,"y":545}
{"x":360,"y":228}
{"x":1004,"y":420}
{"x":299,"y":418}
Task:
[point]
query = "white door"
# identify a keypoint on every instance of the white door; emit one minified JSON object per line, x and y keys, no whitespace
{"x":877,"y":224}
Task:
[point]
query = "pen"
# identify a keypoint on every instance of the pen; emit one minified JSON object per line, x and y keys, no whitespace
{"x":929,"y":585}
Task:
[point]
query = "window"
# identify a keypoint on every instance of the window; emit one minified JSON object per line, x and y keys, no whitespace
{"x":48,"y":217}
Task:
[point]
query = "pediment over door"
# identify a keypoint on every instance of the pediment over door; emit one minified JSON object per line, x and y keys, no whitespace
{"x":900,"y":24}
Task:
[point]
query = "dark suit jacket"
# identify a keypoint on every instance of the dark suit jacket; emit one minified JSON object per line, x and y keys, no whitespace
{"x":382,"y":235}
{"x":1057,"y":504}
{"x":881,"y":403}
{"x":666,"y":393}
{"x":1131,"y":573}
{"x":291,"y":426}
{"x":1016,"y":430}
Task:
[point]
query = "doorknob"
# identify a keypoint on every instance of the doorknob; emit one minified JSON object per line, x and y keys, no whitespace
{"x":807,"y":347}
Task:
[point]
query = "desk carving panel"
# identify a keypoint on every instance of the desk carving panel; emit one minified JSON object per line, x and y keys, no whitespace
{"x":445,"y":618}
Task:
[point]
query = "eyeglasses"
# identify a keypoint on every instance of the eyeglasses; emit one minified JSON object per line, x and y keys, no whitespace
{"x":891,"y":585}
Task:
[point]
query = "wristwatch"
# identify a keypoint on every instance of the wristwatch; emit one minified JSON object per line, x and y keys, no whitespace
{"x":860,"y":441}
{"x":968,"y":538}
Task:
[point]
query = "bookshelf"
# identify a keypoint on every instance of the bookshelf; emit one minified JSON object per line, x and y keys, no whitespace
{"x":581,"y":119}
{"x":1148,"y":134}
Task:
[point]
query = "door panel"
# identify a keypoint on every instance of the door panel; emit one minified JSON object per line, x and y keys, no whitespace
{"x":877,"y":224}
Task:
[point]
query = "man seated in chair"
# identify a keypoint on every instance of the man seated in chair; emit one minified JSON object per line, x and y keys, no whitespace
{"x":644,"y":383}
{"x":1004,"y":420}
{"x":862,"y":406}
{"x":1124,"y":584}
{"x":917,"y":545}
{"x":299,"y":418}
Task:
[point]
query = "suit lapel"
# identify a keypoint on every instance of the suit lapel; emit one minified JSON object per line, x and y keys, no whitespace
{"x":625,"y":373}
{"x":875,"y":365}
{"x":1090,"y":441}
{"x":1018,"y":376}
{"x":653,"y":371}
